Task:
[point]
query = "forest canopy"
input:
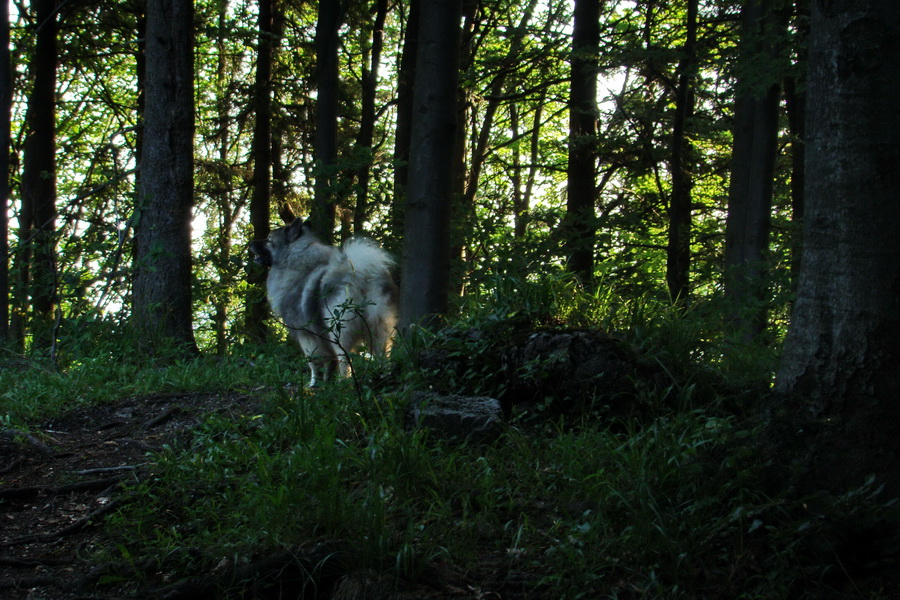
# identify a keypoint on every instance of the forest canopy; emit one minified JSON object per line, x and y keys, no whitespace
{"x":663,"y":115}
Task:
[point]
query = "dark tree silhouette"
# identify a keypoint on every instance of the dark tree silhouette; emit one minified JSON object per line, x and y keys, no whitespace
{"x":426,"y":246}
{"x":752,"y":169}
{"x":260,"y":201}
{"x":326,"y":80}
{"x":37,"y":220}
{"x":579,"y":226}
{"x":162,"y":283}
{"x":678,"y":252}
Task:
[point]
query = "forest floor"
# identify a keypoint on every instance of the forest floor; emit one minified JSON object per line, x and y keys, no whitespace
{"x":65,"y":476}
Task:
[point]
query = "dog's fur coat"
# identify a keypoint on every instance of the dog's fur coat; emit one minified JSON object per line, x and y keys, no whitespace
{"x":331,"y":299}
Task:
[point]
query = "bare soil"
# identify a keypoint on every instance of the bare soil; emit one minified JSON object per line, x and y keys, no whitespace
{"x":58,"y":481}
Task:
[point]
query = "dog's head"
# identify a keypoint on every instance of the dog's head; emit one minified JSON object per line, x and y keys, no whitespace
{"x":267,"y":252}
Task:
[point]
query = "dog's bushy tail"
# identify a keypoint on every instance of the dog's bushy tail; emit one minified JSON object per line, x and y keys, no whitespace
{"x":367,"y":258}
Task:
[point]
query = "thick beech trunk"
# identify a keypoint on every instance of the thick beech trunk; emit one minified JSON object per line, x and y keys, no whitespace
{"x":839,"y":367}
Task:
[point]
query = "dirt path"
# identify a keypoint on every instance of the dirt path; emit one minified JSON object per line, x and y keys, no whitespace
{"x":57,"y":483}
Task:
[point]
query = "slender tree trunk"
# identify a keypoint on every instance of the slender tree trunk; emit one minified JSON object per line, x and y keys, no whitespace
{"x":405,"y":81}
{"x":426,"y":250}
{"x":260,"y":200}
{"x":579,"y":225}
{"x":5,"y":119}
{"x":462,"y":209}
{"x":516,"y":175}
{"x":523,"y":207}
{"x":162,"y":285}
{"x":839,"y":366}
{"x":325,"y":151}
{"x":678,"y":251}
{"x":39,"y":178}
{"x":366,"y":136}
{"x":752,"y":172}
{"x":222,"y":194}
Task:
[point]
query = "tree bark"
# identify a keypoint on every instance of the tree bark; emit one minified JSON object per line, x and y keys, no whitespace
{"x":839,"y":366}
{"x":5,"y":126}
{"x":366,"y":135}
{"x":579,"y":225}
{"x":325,"y":151}
{"x":678,"y":250}
{"x":38,"y":220}
{"x":260,"y":200}
{"x":752,"y":171}
{"x":426,"y":250}
{"x":405,"y":81}
{"x":162,"y":314}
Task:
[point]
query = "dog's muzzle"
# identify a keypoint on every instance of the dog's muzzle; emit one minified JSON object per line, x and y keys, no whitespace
{"x":261,"y":253}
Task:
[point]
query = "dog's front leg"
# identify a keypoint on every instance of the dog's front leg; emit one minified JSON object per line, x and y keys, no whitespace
{"x":322,"y":368}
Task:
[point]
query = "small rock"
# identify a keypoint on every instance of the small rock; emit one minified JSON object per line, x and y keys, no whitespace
{"x":475,"y":418}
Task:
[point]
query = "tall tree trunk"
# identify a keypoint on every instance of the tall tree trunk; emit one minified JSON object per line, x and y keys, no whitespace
{"x":405,"y":81}
{"x":325,"y":151}
{"x":426,"y":249}
{"x":38,"y":224}
{"x":222,"y":195}
{"x":162,"y":285}
{"x":752,"y":171}
{"x":5,"y":118}
{"x":839,"y":366}
{"x":579,"y":225}
{"x":260,"y":200}
{"x":678,"y":250}
{"x":462,"y":210}
{"x":366,"y":135}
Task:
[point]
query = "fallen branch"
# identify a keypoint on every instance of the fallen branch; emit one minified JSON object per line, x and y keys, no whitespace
{"x":27,"y":563}
{"x":27,"y":493}
{"x":99,"y":470}
{"x":162,"y":417}
{"x":32,"y":441}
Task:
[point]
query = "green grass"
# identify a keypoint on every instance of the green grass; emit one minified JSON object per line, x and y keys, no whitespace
{"x":34,"y":389}
{"x":673,"y":506}
{"x":661,"y":511}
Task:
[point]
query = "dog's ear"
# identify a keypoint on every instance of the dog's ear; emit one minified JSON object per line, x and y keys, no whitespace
{"x":286,"y":214}
{"x":295,"y":229}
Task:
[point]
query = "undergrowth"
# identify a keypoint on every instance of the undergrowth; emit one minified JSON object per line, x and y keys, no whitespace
{"x":670,"y":506}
